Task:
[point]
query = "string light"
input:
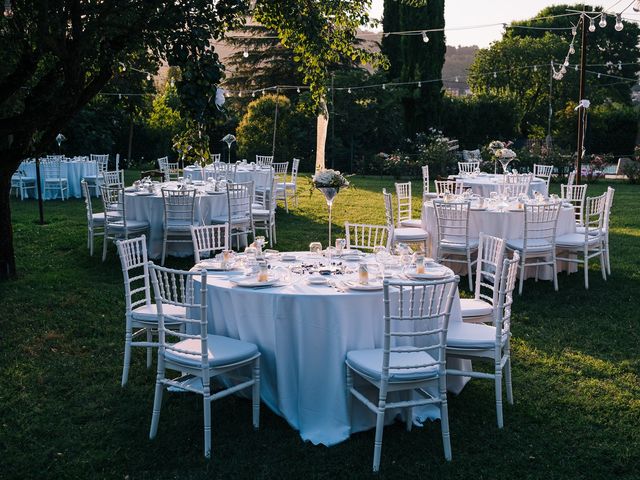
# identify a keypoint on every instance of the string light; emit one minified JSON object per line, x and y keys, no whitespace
{"x":603,"y":21}
{"x":618,"y":26}
{"x":384,"y":86}
{"x":245,"y":54}
{"x":425,"y":38}
{"x":119,"y":96}
{"x":592,"y":25}
{"x":576,"y":67}
{"x":535,"y":68}
{"x":599,"y":75}
{"x":574,"y":30}
{"x":148,"y":76}
{"x":172,"y":83}
{"x":619,"y":65}
{"x":457,"y":79}
{"x":495,"y":75}
{"x":419,"y":84}
{"x":298,"y":90}
{"x":253,"y":94}
{"x":240,"y":94}
{"x":572,"y":50}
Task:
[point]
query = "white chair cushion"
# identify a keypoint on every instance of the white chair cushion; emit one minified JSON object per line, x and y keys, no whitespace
{"x":453,"y":245}
{"x":369,"y":364}
{"x":575,"y":240}
{"x":179,"y":225}
{"x":131,"y":225}
{"x":472,"y":307}
{"x":225,"y":219}
{"x":473,"y":336}
{"x":221,"y":351}
{"x":406,"y":233}
{"x":533,"y":245}
{"x":149,"y":313}
{"x":412,"y":223}
{"x":55,"y":180}
{"x":430,"y":195}
{"x":592,"y":231}
{"x":98,"y":218}
{"x":260,"y":212}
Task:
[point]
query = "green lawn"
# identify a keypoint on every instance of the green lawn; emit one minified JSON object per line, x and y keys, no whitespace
{"x":63,"y":414}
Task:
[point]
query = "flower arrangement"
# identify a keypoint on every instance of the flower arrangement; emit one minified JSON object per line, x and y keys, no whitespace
{"x":496,"y":145}
{"x":504,"y":153}
{"x":329,"y":179}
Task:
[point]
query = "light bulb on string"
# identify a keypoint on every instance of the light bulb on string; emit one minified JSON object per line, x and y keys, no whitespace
{"x":240,"y":94}
{"x":119,"y":96}
{"x":566,"y":62}
{"x":599,"y":75}
{"x":457,"y":79}
{"x":425,"y":38}
{"x":574,"y":30}
{"x":148,"y":76}
{"x":384,"y":86}
{"x":495,"y":74}
{"x":245,"y":54}
{"x":592,"y":25}
{"x":253,"y":94}
{"x":603,"y":21}
{"x":535,"y":68}
{"x":572,"y":50}
{"x":619,"y":26}
{"x":172,"y":83}
{"x":298,"y":90}
{"x":563,"y":70}
{"x":419,"y":84}
{"x":576,"y":67}
{"x":349,"y":90}
{"x":124,"y":67}
{"x":619,"y":65}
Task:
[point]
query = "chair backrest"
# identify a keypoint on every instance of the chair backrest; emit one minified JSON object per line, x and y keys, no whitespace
{"x":102,"y":162}
{"x":215,"y":157}
{"x":403,"y":197}
{"x":280,"y":170}
{"x":208,"y":239}
{"x":575,"y":194}
{"x":468,"y":167}
{"x":264,"y":160}
{"x":163,"y":163}
{"x":51,"y":169}
{"x":265,"y":194}
{"x":172,"y":172}
{"x":488,"y":269}
{"x":448,"y":186}
{"x":113,"y":204}
{"x":594,"y":213}
{"x":425,"y":180}
{"x":543,"y":171}
{"x":607,"y":211}
{"x":540,"y":222}
{"x":177,"y":288}
{"x":115,"y":177}
{"x":416,"y":319}
{"x":87,"y":200}
{"x":502,"y":318}
{"x":388,"y":211}
{"x":294,"y":170}
{"x":515,"y":185}
{"x":224,"y":171}
{"x":452,"y":219}
{"x":365,"y":237}
{"x":135,"y":271}
{"x":239,"y":200}
{"x":572,"y":178}
{"x":178,"y":205}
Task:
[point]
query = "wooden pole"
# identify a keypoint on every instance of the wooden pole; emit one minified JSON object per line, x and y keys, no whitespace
{"x":581,"y":110}
{"x":39,"y":187}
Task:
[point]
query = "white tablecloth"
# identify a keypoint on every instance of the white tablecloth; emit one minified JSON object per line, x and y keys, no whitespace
{"x":484,"y":185}
{"x":150,"y":208}
{"x":304,"y":333}
{"x":72,"y":170}
{"x":258,"y":176}
{"x":507,"y":225}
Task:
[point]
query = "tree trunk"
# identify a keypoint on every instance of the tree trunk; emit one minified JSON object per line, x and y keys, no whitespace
{"x":7,"y":258}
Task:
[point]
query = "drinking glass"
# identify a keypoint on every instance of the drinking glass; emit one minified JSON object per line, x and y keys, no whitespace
{"x":315,"y":248}
{"x":341,"y":243}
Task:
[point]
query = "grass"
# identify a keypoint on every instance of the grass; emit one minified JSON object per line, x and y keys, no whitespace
{"x":63,"y":414}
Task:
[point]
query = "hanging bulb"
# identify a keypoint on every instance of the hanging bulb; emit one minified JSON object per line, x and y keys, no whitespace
{"x":172,"y":83}
{"x":599,"y":75}
{"x":574,"y":30}
{"x":245,"y":54}
{"x":571,"y":49}
{"x":619,"y":26}
{"x":457,"y":79}
{"x":349,"y":90}
{"x":8,"y":11}
{"x":603,"y":21}
{"x":535,"y":68}
{"x":560,"y":75}
{"x":124,"y":67}
{"x":425,"y":38}
{"x":384,"y":86}
{"x":419,"y":84}
{"x":263,"y":92}
{"x":298,"y":90}
{"x":563,"y":70}
{"x":253,"y":94}
{"x":576,"y":67}
{"x":592,"y":25}
{"x":119,"y":96}
{"x":495,"y":74}
{"x":566,"y":62}
{"x":619,"y":65}
{"x":148,"y":76}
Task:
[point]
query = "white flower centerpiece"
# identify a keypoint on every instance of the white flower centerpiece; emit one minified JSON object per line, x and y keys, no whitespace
{"x":229,"y":140}
{"x":505,"y":156}
{"x":329,"y":182}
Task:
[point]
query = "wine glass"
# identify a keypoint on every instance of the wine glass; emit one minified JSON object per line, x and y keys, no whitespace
{"x":505,"y":163}
{"x":315,"y":248}
{"x":341,"y":243}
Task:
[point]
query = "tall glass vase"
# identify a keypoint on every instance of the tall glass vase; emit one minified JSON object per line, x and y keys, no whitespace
{"x":329,"y":194}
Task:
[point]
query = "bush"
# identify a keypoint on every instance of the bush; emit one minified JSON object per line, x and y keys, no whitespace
{"x":632,"y":171}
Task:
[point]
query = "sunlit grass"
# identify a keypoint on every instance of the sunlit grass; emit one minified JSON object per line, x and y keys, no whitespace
{"x":63,"y":414}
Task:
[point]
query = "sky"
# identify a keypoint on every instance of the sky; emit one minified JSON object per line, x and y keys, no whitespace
{"x":462,"y":13}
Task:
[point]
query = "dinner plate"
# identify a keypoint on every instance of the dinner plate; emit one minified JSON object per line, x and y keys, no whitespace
{"x":209,"y":192}
{"x":430,"y":274}
{"x":216,"y":267}
{"x":364,"y":287}
{"x":288,"y":258}
{"x":252,"y":282}
{"x":144,"y":194}
{"x":351,"y":251}
{"x":317,"y":280}
{"x":351,"y":257}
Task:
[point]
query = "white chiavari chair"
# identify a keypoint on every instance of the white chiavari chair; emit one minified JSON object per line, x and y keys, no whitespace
{"x":141,"y":314}
{"x":426,"y":188}
{"x":209,"y":239}
{"x":102,"y":165}
{"x":280,"y":170}
{"x":239,"y":212}
{"x":22,"y":184}
{"x":263,"y":210}
{"x":405,"y":209}
{"x":490,"y":342}
{"x":215,"y":157}
{"x":544,"y":172}
{"x":53,"y":179}
{"x":172,"y":172}
{"x":116,"y":224}
{"x":403,"y":234}
{"x":515,"y":185}
{"x":590,"y":243}
{"x":575,"y":195}
{"x":481,"y":308}
{"x":468,"y":167}
{"x":224,"y":171}
{"x":607,"y":218}
{"x":572,"y":178}
{"x":196,"y":355}
{"x":454,"y":245}
{"x":539,"y":240}
{"x":360,"y":236}
{"x":95,"y":221}
{"x":413,"y":356}
{"x":179,"y":206}
{"x":290,"y":189}
{"x":163,"y":163}
{"x":113,"y":178}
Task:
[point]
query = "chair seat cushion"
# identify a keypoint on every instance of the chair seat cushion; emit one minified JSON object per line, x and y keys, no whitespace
{"x":55,"y":180}
{"x":235,"y":219}
{"x":221,"y":351}
{"x":472,"y":307}
{"x":472,"y":336}
{"x":131,"y":225}
{"x":449,"y":244}
{"x":23,"y":178}
{"x":575,"y":240}
{"x":430,"y":195}
{"x":260,"y":212}
{"x":369,"y":364}
{"x":179,"y":225}
{"x":98,"y":218}
{"x":411,"y":223}
{"x":407,"y":233}
{"x":592,"y":230}
{"x":149,"y":313}
{"x":533,"y":245}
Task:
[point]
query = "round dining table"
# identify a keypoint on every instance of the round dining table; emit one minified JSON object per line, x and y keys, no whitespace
{"x":483,"y":185}
{"x":304,"y":332}
{"x":507,"y":224}
{"x":244,"y":173}
{"x":150,"y":208}
{"x":74,"y":170}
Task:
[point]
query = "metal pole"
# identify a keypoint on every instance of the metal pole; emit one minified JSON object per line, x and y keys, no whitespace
{"x":581,"y":109}
{"x":275,"y":124}
{"x":550,"y":104}
{"x":40,"y":205}
{"x":333,"y":122}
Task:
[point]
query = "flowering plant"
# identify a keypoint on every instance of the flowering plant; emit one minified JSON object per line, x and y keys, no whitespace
{"x":329,"y":178}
